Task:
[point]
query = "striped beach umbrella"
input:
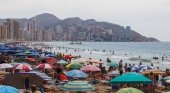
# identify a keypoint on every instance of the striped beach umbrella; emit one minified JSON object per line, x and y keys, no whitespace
{"x":44,"y":66}
{"x":8,"y":89}
{"x":25,"y":67}
{"x":129,"y":90}
{"x":77,"y":86}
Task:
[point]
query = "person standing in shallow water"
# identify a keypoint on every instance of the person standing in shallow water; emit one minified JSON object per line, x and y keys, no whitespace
{"x":108,"y":60}
{"x":121,"y":63}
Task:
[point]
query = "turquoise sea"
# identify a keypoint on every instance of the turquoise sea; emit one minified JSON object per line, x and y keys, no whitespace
{"x":128,"y":51}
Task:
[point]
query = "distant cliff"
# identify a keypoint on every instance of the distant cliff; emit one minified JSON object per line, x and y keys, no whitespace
{"x":84,"y":30}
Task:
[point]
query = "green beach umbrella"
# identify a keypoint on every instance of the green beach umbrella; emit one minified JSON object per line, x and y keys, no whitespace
{"x":129,"y":90}
{"x":113,"y":64}
{"x":74,"y":65}
{"x":27,"y":52}
{"x":131,"y":78}
{"x":77,"y":86}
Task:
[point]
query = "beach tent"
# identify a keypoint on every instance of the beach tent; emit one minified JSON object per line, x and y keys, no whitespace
{"x":8,"y":89}
{"x":76,"y":74}
{"x":153,"y":71}
{"x":18,"y":80}
{"x":77,"y":86}
{"x":131,"y":78}
{"x":129,"y":90}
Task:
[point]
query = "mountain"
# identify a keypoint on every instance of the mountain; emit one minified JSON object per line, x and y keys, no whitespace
{"x":45,"y":20}
{"x":84,"y":30}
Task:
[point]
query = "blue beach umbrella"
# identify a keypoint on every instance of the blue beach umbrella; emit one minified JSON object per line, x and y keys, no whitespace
{"x":8,"y":89}
{"x":134,"y":67}
{"x":76,"y":74}
{"x":143,"y":68}
{"x":62,"y":62}
{"x":50,"y":55}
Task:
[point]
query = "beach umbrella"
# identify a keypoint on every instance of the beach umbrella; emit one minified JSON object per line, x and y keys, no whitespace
{"x":50,"y":60}
{"x":129,"y":90}
{"x":25,"y":67}
{"x":81,"y":60}
{"x":143,"y":68}
{"x":50,"y":55}
{"x":8,"y":89}
{"x":18,"y":80}
{"x":91,"y":68}
{"x":153,"y":71}
{"x":63,"y":62}
{"x":20,"y":54}
{"x":76,"y":74}
{"x":167,"y":78}
{"x":74,"y":65}
{"x":113,"y":64}
{"x":44,"y":66}
{"x":5,"y":65}
{"x":77,"y":86}
{"x":131,"y":78}
{"x":113,"y":73}
{"x":134,"y":67}
{"x":95,"y":61}
{"x":27,"y":52}
{"x":68,"y":56}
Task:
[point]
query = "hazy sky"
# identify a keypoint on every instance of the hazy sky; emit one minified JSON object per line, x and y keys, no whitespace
{"x":148,"y":17}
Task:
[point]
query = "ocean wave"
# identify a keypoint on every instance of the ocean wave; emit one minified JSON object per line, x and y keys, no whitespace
{"x":119,"y":57}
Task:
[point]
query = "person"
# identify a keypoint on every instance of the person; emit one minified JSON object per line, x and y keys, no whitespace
{"x":26,"y":83}
{"x":120,"y":63}
{"x":34,"y":89}
{"x":108,"y":60}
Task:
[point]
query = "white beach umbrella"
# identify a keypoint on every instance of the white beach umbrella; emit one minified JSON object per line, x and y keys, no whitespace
{"x":5,"y":65}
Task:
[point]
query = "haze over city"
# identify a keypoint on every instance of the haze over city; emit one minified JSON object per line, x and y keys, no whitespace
{"x":148,"y":17}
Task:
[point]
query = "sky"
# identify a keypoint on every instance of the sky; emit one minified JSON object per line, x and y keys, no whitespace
{"x":150,"y":18}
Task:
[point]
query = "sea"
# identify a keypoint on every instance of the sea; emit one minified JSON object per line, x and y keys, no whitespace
{"x":129,"y":52}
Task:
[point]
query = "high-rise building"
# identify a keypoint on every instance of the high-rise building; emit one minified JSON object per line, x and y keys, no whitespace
{"x":12,"y":29}
{"x":2,"y":33}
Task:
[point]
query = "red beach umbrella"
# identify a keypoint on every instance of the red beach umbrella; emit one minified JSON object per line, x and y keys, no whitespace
{"x":23,"y":67}
{"x":51,"y":60}
{"x":44,"y":66}
{"x":68,"y":56}
{"x":91,"y":68}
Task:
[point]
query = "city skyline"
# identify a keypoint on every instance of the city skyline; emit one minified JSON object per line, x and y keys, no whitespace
{"x":148,"y":17}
